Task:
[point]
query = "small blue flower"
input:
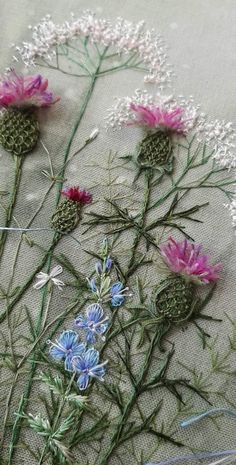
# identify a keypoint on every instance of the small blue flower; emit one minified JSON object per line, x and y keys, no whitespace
{"x":93,"y":285}
{"x":93,"y":324}
{"x":117,"y":296}
{"x":66,"y":347}
{"x":108,"y":264}
{"x":98,"y":268}
{"x":87,"y":365}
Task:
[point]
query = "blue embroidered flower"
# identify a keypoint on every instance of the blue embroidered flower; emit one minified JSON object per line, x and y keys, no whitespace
{"x":117,"y":294}
{"x":87,"y":365}
{"x":92,"y":285}
{"x":93,"y":324}
{"x":105,"y":267}
{"x":66,"y":347}
{"x":108,"y":264}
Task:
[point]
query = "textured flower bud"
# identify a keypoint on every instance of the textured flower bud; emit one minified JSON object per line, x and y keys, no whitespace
{"x":174,"y":298}
{"x":154,"y":150}
{"x":66,"y":217}
{"x":19,"y":131}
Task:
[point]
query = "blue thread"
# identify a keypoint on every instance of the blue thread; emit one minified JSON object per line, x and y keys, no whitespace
{"x":193,"y":419}
{"x":203,"y":455}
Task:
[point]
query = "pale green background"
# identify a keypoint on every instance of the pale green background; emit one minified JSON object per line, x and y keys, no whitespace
{"x":201,"y":37}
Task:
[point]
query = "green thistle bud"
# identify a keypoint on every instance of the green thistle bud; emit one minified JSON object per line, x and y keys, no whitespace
{"x":19,"y":131}
{"x":66,"y":217}
{"x":174,"y":298}
{"x":67,"y":214}
{"x":155,"y":150}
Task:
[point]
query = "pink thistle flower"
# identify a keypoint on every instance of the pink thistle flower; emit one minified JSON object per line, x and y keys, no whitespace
{"x":21,"y":91}
{"x":158,"y":117}
{"x":77,"y":195}
{"x":185,"y":258}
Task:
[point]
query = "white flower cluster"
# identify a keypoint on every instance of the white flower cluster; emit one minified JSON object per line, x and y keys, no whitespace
{"x":219,"y":135}
{"x":123,"y":35}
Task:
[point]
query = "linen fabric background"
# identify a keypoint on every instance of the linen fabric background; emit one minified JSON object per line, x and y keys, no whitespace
{"x":201,"y":39}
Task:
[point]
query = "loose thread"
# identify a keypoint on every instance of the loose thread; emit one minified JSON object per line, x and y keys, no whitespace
{"x":201,"y":456}
{"x":38,"y":230}
{"x":189,"y":421}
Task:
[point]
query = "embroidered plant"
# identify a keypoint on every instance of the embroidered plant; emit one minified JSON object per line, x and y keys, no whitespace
{"x":86,"y":373}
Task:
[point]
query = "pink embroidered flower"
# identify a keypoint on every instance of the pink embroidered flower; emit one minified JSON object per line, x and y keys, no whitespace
{"x":77,"y":195}
{"x":159,"y":117}
{"x":185,"y":258}
{"x":25,"y":91}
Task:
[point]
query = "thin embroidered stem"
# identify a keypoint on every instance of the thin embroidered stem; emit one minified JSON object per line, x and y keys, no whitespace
{"x":9,"y":212}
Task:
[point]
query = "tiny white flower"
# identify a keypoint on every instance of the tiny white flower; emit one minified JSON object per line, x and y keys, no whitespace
{"x":44,"y":278}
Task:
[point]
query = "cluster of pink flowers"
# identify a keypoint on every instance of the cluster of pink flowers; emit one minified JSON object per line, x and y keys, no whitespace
{"x":185,"y":258}
{"x":122,"y":35}
{"x":21,"y":91}
{"x":77,"y":195}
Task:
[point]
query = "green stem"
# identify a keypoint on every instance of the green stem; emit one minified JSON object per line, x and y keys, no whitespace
{"x":139,"y":232}
{"x":117,"y":437}
{"x":10,"y":208}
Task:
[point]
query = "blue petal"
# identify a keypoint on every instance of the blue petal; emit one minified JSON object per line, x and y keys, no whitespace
{"x":90,"y":337}
{"x":98,"y":372}
{"x":92,"y":284}
{"x":116,"y":288}
{"x":91,"y":358}
{"x":117,"y":300}
{"x":108,"y":264}
{"x":94,"y":313}
{"x":83,"y":381}
{"x":98,"y":267}
{"x":78,"y":349}
{"x":101,"y":329}
{"x":67,"y":339}
{"x":57,"y":353}
{"x":81,"y":322}
{"x":68,"y":362}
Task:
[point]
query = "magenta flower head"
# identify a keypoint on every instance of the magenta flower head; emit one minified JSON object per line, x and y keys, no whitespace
{"x":18,"y":91}
{"x":160,"y":118}
{"x":185,"y":258}
{"x":77,"y":195}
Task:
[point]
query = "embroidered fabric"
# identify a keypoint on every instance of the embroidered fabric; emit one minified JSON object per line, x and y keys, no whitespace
{"x":187,"y":29}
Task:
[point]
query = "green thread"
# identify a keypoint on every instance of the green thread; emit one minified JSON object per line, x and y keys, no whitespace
{"x":66,"y":216}
{"x":174,"y":298}
{"x":19,"y":132}
{"x":154,"y":150}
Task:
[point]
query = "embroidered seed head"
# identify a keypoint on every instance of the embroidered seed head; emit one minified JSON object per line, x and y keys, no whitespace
{"x":67,"y":215}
